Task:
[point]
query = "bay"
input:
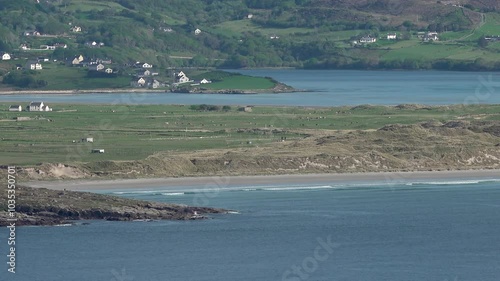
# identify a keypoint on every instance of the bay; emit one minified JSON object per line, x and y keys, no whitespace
{"x":323,"y":88}
{"x":426,"y":231}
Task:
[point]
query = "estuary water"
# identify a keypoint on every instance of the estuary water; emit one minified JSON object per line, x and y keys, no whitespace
{"x":324,"y":88}
{"x":434,"y":231}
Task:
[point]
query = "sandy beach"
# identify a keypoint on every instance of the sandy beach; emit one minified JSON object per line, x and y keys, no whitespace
{"x":235,"y":181}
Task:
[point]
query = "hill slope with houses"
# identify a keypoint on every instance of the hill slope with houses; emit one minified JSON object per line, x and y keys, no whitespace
{"x":93,"y":41}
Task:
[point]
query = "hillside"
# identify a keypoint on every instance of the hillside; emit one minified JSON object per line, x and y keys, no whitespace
{"x":253,"y":33}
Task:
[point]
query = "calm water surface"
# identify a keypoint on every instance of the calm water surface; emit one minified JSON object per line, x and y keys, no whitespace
{"x":326,"y":88}
{"x":408,"y":232}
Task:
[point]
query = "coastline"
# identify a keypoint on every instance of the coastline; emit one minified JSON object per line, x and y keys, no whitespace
{"x":72,"y":92}
{"x":234,"y":181}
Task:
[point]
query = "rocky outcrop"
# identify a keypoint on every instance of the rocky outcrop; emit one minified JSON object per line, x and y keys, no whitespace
{"x":51,"y":207}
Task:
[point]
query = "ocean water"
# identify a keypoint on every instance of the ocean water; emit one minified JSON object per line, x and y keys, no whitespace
{"x":415,"y":231}
{"x":324,"y":88}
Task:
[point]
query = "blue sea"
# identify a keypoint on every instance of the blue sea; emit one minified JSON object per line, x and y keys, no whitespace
{"x":436,"y":231}
{"x":323,"y":88}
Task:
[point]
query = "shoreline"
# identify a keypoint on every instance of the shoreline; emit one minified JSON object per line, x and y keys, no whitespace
{"x":221,"y":182}
{"x":73,"y":92}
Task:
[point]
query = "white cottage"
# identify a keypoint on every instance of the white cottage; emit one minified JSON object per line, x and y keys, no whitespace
{"x":38,"y":106}
{"x":6,"y":56}
{"x":15,"y":108}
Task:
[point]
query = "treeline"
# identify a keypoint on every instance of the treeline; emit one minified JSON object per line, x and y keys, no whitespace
{"x":209,"y":107}
{"x":24,"y":79}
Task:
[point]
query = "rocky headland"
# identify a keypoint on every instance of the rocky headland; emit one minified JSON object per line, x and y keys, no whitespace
{"x":41,"y":206}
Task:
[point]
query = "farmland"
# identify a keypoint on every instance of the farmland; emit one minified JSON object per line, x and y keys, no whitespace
{"x":133,"y":132}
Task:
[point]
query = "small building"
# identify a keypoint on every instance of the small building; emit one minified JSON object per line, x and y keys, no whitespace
{"x":141,"y":82}
{"x":88,"y":139}
{"x":96,"y":67}
{"x":431,"y":36}
{"x":76,"y":29}
{"x":24,"y":47}
{"x":250,"y":16}
{"x":205,"y":81}
{"x":147,"y":65}
{"x":77,"y":60}
{"x":15,"y":108}
{"x":108,"y":70}
{"x":367,"y":40}
{"x":34,"y":66}
{"x":197,"y":31}
{"x":47,"y":47}
{"x":181,"y":77}
{"x":245,"y":109}
{"x":392,"y":36}
{"x":38,"y":106}
{"x":6,"y":56}
{"x":99,"y":150}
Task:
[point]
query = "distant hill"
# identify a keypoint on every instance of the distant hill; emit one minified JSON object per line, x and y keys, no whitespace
{"x":256,"y":33}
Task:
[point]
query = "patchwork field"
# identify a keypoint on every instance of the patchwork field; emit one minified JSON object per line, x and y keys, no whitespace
{"x":133,"y":132}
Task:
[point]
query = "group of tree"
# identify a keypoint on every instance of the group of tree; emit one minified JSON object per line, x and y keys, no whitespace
{"x":208,"y":107}
{"x":25,"y":79}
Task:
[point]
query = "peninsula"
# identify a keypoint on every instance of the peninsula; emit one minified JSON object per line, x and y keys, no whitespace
{"x":41,"y":206}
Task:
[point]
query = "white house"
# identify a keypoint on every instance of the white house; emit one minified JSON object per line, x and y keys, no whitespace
{"x":34,"y":66}
{"x":197,"y":31}
{"x":97,"y":150}
{"x":392,"y":36}
{"x":367,"y":39}
{"x":205,"y":81}
{"x":96,"y":67}
{"x":108,"y":70}
{"x":24,"y":47}
{"x":147,"y":65}
{"x":249,"y":16}
{"x":181,"y":77}
{"x":5,"y":56}
{"x":76,"y":29}
{"x":38,"y":106}
{"x":15,"y":108}
{"x":139,"y":83}
{"x":431,"y":36}
{"x":88,"y":139}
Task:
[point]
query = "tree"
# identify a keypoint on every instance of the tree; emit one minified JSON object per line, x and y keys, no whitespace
{"x":482,"y":42}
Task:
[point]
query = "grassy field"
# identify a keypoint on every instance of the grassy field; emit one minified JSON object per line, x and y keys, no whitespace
{"x":135,"y":132}
{"x":62,"y":78}
{"x":241,"y":82}
{"x":433,"y":51}
{"x":85,"y":6}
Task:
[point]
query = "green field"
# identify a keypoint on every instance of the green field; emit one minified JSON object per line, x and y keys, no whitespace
{"x":441,"y":50}
{"x":241,"y":82}
{"x":64,"y":78}
{"x":131,"y":132}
